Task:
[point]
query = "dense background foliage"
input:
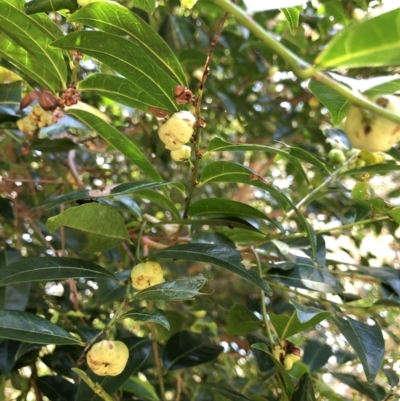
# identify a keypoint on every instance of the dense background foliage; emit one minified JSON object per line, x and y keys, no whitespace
{"x":274,"y":230}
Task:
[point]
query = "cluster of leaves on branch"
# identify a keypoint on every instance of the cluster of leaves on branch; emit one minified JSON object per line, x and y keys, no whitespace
{"x":260,"y":261}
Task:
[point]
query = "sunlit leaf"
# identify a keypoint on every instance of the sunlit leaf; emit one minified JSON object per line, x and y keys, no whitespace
{"x":143,"y":315}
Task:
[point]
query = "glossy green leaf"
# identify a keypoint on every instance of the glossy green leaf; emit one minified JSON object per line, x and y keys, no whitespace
{"x":45,"y":6}
{"x":126,"y":58}
{"x":373,"y":391}
{"x":241,"y":321}
{"x":29,"y":328}
{"x":185,"y":349}
{"x":143,"y":390}
{"x":94,"y":386}
{"x":225,"y":391}
{"x":34,"y":39}
{"x":316,"y":354}
{"x":21,"y":59}
{"x":47,"y":269}
{"x":117,"y":140}
{"x":367,"y":341}
{"x":363,"y":45}
{"x":143,"y":315}
{"x":120,"y":90}
{"x":146,"y":5}
{"x":118,"y":20}
{"x":307,"y":313}
{"x":176,"y":290}
{"x":224,"y":171}
{"x":289,"y":325}
{"x":214,"y":206}
{"x":308,"y":157}
{"x":219,"y":145}
{"x":111,"y":191}
{"x":304,"y":390}
{"x":292,"y":15}
{"x":288,"y":385}
{"x":140,"y":358}
{"x":225,"y":257}
{"x":104,"y":225}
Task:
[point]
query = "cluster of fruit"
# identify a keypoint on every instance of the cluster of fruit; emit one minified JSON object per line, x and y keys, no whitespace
{"x":107,"y":357}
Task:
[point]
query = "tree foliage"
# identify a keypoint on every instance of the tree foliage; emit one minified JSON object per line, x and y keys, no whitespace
{"x":277,"y":241}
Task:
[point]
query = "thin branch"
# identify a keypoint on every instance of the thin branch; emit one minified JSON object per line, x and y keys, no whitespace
{"x":199,"y":119}
{"x":73,"y":169}
{"x":301,"y":68}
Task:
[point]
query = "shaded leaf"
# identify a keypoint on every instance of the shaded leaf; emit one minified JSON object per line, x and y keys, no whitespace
{"x":143,"y":315}
{"x":117,"y":140}
{"x":177,"y":290}
{"x":26,"y":327}
{"x":304,"y":390}
{"x":141,"y":389}
{"x":241,"y":321}
{"x":367,"y":341}
{"x":56,"y":388}
{"x":362,"y":45}
{"x":40,"y":269}
{"x":306,"y":313}
{"x":185,"y":349}
{"x":225,"y":391}
{"x":373,"y":391}
{"x":316,"y":354}
{"x":45,"y":6}
{"x":224,"y":257}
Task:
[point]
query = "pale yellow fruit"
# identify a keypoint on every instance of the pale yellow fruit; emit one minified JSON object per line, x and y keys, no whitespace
{"x":289,"y":360}
{"x":24,"y":124}
{"x":39,"y":117}
{"x":108,"y":358}
{"x":278,"y":352}
{"x":146,"y":274}
{"x":181,"y":154}
{"x":375,"y":134}
{"x":177,"y":130}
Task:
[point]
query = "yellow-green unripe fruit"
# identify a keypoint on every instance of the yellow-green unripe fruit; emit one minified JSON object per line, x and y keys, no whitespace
{"x":146,"y":274}
{"x":373,"y":133}
{"x":108,"y":358}
{"x":181,"y":154}
{"x":289,"y":360}
{"x":177,"y":130}
{"x":336,"y":156}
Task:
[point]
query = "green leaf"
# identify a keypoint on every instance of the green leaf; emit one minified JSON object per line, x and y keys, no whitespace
{"x":34,"y":39}
{"x":95,"y":387}
{"x":363,"y":45}
{"x":304,"y":390}
{"x":185,"y":349}
{"x":143,"y":315}
{"x":56,"y":388}
{"x":160,"y":200}
{"x":29,"y":328}
{"x":146,"y":5}
{"x":126,"y":58}
{"x":141,"y":389}
{"x":120,"y":90}
{"x":20,"y":58}
{"x":221,"y":256}
{"x":11,"y":93}
{"x":104,"y":224}
{"x":373,"y":391}
{"x":241,"y":321}
{"x":219,"y":145}
{"x":307,"y":313}
{"x":47,"y":269}
{"x":288,"y":386}
{"x":118,"y":140}
{"x":177,"y":290}
{"x":223,"y":171}
{"x":367,"y":341}
{"x":119,"y":20}
{"x":224,"y":390}
{"x":316,"y":354}
{"x":302,"y":154}
{"x":292,"y":15}
{"x":287,"y":326}
{"x":45,"y":6}
{"x":216,"y":206}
